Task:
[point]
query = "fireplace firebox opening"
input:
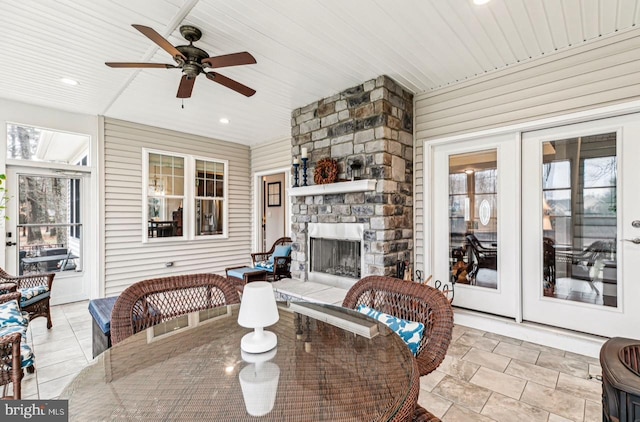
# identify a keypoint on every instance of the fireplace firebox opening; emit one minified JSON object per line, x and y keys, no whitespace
{"x":335,"y":254}
{"x":336,"y":257}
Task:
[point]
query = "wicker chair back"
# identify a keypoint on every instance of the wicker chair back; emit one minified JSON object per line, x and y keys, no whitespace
{"x":150,"y":302}
{"x":414,"y":302}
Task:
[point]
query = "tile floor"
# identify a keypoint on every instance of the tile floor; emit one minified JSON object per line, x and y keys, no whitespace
{"x":485,"y":377}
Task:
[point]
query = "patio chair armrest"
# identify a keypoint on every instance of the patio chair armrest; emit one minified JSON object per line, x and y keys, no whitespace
{"x":260,"y":256}
{"x":8,"y":287}
{"x":10,"y":296}
{"x":282,"y":261}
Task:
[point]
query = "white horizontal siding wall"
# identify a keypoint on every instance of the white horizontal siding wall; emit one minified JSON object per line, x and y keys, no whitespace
{"x":127,"y":259}
{"x":596,"y":74}
{"x":268,"y":157}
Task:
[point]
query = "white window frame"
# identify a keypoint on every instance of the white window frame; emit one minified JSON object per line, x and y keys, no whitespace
{"x":224,"y":198}
{"x":189,"y":198}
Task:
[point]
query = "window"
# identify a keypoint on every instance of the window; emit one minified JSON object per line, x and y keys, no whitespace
{"x":556,"y":200}
{"x":473,"y":218}
{"x":177,"y":208}
{"x":209,"y":199}
{"x":48,"y":238}
{"x":579,"y":217}
{"x":29,"y":143}
{"x":165,"y":195}
{"x":49,"y":207}
{"x":579,"y":190}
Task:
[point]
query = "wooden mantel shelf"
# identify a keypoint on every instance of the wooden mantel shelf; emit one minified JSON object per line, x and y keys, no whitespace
{"x":331,"y":188}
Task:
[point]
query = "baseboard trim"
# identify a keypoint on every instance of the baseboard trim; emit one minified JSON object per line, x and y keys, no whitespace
{"x":572,"y":341}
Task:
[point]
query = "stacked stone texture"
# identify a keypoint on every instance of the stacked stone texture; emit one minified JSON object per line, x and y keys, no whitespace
{"x":371,"y":123}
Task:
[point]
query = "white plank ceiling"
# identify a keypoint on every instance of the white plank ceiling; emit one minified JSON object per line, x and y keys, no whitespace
{"x":305,"y":49}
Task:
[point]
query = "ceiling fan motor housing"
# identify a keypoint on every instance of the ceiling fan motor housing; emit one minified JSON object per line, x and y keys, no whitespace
{"x":193,"y":65}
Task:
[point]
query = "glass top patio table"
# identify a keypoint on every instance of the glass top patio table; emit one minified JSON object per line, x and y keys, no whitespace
{"x":324,"y":373}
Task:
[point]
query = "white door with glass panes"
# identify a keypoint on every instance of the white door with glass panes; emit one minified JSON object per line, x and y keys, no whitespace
{"x":580,"y":215}
{"x":47,"y":181}
{"x":475,"y":221}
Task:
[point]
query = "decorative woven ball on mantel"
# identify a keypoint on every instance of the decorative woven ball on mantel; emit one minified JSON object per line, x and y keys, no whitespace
{"x":326,"y":171}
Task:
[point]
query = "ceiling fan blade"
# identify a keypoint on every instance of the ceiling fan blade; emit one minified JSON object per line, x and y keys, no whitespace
{"x":150,"y":65}
{"x":160,"y":40}
{"x":186,"y":86}
{"x":234,"y":59}
{"x":230,"y":83}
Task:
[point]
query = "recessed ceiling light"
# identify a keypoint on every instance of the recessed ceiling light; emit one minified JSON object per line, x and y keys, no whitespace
{"x":480,"y":2}
{"x":69,"y":81}
{"x":224,"y":121}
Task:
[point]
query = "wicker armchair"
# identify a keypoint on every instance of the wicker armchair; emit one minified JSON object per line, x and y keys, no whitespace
{"x":10,"y":359}
{"x":280,"y":266}
{"x":150,"y":302}
{"x":38,"y":285}
{"x":414,"y":302}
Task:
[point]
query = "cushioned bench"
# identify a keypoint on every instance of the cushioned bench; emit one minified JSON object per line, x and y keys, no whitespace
{"x":100,"y":310}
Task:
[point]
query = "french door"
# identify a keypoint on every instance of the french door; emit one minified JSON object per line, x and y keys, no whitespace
{"x":580,"y":204}
{"x":542,"y":226}
{"x":474,"y":212}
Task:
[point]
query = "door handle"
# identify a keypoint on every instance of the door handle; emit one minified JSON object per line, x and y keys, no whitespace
{"x":10,"y":243}
{"x":634,"y":241}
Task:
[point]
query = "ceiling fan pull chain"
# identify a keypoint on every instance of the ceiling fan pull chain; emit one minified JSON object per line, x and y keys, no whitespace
{"x":183,"y":104}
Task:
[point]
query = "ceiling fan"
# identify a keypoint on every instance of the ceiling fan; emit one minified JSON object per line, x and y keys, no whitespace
{"x":193,"y":60}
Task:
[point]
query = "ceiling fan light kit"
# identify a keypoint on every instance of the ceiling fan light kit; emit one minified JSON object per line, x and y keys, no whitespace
{"x":192,"y":61}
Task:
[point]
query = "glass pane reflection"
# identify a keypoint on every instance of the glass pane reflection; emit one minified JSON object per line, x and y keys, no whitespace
{"x":473,"y":218}
{"x":579,"y":219}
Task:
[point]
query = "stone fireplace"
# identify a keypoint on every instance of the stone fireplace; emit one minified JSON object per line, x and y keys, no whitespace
{"x":371,"y":124}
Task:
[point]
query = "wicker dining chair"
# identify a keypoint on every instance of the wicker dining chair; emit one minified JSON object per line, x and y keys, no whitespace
{"x":36,"y":292}
{"x":150,"y":302}
{"x":414,"y":302}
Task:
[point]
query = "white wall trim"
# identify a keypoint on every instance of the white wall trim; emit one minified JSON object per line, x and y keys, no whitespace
{"x":98,"y":289}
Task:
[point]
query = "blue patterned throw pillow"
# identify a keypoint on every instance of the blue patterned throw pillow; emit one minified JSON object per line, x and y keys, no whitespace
{"x":10,"y":315}
{"x":265,"y":265}
{"x":409,"y":331}
{"x":27,"y":356}
{"x":10,"y":329}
